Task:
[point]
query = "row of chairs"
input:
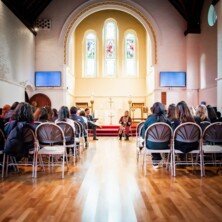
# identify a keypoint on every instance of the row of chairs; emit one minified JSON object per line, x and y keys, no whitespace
{"x":209,"y":140}
{"x":60,"y":142}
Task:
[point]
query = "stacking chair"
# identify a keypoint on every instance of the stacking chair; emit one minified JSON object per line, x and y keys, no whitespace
{"x":81,"y":134}
{"x":36,"y":123}
{"x":29,"y":142}
{"x":188,"y":133}
{"x":139,"y":139}
{"x":2,"y":143}
{"x":78,"y":137}
{"x":212,"y":142}
{"x":204,"y":124}
{"x":51,"y":143}
{"x":158,"y":133}
{"x":69,"y":133}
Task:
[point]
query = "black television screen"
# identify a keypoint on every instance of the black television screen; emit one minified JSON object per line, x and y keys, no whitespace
{"x":172,"y":79}
{"x":48,"y":79}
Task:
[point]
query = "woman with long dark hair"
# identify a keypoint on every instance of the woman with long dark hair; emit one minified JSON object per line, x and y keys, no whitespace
{"x":212,"y":114}
{"x":184,"y":116}
{"x":172,"y":115}
{"x":23,"y":114}
{"x":63,"y":115}
{"x":10,"y":115}
{"x":158,"y":115}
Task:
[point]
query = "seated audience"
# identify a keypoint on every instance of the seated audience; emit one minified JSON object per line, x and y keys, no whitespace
{"x":125,"y":122}
{"x":212,"y":115}
{"x":15,"y":144}
{"x":185,"y":116}
{"x":5,"y":110}
{"x":50,"y":113}
{"x":158,"y":115}
{"x":23,"y":114}
{"x":91,"y":123}
{"x":75,"y":117}
{"x":54,"y":114}
{"x":201,"y":112}
{"x":83,"y":115}
{"x":10,"y":114}
{"x":171,"y":115}
{"x":203,"y":103}
{"x":63,"y":115}
{"x":43,"y":117}
{"x":192,"y":111}
{"x":36,"y":113}
{"x":219,"y":119}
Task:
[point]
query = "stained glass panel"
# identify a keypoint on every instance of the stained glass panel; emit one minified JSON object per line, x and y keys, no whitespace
{"x":130,"y":48}
{"x":91,"y":48}
{"x":110,"y":49}
{"x":130,"y":54}
{"x":90,"y":55}
{"x":110,"y":37}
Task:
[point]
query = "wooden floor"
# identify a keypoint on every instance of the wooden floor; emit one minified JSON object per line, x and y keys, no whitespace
{"x":107,"y":185}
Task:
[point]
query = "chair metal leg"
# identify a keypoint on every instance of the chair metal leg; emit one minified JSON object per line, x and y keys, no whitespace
{"x":3,"y":165}
{"x":174,"y":165}
{"x":67,"y":162}
{"x":6,"y":172}
{"x":63,"y":162}
{"x":171,"y":163}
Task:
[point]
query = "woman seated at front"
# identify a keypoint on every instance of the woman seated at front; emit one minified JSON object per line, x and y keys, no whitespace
{"x":158,"y":115}
{"x":125,"y":122}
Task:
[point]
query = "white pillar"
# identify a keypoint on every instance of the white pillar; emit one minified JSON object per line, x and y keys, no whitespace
{"x":219,"y":55}
{"x":193,"y":68}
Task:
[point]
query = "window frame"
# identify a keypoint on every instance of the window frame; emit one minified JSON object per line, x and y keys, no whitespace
{"x":84,"y":50}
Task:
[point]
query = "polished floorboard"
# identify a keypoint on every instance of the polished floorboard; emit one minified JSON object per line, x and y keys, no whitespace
{"x":107,"y":185}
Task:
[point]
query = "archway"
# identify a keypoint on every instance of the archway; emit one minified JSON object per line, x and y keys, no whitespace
{"x":87,"y":9}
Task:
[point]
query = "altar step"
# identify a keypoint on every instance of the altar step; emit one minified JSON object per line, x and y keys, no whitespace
{"x":111,"y":131}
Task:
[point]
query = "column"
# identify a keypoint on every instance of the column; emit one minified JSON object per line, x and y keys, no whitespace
{"x":219,"y":55}
{"x":193,"y":68}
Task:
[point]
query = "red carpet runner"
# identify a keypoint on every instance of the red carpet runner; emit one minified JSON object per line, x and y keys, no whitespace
{"x":112,"y":130}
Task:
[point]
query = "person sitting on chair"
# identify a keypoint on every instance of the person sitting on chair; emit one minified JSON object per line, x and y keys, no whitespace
{"x":91,"y":123}
{"x":125,"y":122}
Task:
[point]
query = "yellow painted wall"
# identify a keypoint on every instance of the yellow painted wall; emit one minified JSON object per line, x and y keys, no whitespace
{"x":95,"y":22}
{"x":119,"y":87}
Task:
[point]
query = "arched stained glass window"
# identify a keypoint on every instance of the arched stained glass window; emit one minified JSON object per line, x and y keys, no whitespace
{"x":90,"y":54}
{"x":130,"y":54}
{"x":110,"y":38}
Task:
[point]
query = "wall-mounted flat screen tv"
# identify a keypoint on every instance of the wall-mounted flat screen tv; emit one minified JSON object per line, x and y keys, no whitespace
{"x":48,"y":79}
{"x":173,"y":79}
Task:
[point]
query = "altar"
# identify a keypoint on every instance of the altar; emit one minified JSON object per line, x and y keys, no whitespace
{"x":108,"y":110}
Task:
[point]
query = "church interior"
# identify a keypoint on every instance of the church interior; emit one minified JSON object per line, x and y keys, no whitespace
{"x":117,"y":60}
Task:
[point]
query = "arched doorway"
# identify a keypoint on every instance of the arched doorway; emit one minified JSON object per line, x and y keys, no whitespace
{"x":68,"y":39}
{"x":40,"y":100}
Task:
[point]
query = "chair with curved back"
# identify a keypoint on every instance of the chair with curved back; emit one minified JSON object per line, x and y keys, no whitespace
{"x":29,"y":150}
{"x":79,"y":137}
{"x":188,"y":134}
{"x":51,"y":142}
{"x":139,"y":139}
{"x":204,"y":124}
{"x":158,"y":133}
{"x":83,"y":134}
{"x":69,"y":133}
{"x":212,"y":141}
{"x":2,"y":144}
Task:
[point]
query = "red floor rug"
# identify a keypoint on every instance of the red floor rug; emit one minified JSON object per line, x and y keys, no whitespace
{"x":111,"y":130}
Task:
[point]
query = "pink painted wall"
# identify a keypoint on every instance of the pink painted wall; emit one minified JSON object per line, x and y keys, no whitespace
{"x":208,"y":59}
{"x":173,"y":49}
